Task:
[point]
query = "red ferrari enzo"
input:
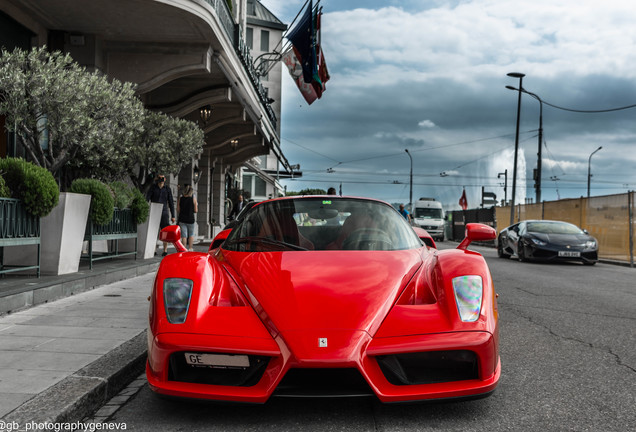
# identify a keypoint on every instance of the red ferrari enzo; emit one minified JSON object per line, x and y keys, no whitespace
{"x":323,"y":296}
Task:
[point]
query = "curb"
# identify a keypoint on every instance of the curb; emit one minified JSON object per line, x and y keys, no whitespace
{"x":85,"y":391}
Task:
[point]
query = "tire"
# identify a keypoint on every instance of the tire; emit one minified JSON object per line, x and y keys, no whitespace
{"x":500,"y":251}
{"x":521,"y":253}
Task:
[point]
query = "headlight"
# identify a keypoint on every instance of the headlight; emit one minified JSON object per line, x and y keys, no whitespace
{"x":468,"y":293}
{"x":538,"y":242}
{"x":176,"y":299}
{"x":590,"y":244}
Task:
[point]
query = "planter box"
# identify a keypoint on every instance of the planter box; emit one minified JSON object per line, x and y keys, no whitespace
{"x":147,"y":234}
{"x":63,"y":234}
{"x":61,"y":237}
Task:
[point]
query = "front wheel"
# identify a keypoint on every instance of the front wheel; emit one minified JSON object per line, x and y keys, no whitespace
{"x":521,"y":252}
{"x":500,"y":251}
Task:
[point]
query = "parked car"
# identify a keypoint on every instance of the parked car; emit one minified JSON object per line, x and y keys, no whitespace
{"x":323,"y":296}
{"x":429,"y":215}
{"x":547,"y":240}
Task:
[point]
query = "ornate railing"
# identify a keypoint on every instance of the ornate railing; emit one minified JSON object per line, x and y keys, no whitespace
{"x":243,"y":52}
{"x":17,"y":228}
{"x":225,"y":16}
{"x":121,"y":226}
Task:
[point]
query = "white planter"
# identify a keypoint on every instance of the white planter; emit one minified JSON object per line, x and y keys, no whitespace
{"x":148,"y":231}
{"x":61,"y":234}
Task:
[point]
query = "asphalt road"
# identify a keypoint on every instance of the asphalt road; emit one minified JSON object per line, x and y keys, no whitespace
{"x":568,"y":349}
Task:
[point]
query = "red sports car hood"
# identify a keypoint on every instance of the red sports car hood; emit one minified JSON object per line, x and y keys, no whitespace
{"x":325,"y":290}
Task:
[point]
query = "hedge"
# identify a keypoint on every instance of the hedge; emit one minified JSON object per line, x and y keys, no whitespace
{"x":33,"y":185}
{"x":102,"y":202}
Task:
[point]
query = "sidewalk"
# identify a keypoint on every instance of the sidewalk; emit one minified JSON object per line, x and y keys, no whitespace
{"x":61,"y":360}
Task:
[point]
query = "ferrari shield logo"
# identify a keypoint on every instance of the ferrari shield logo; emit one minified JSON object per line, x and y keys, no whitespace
{"x":322,"y":342}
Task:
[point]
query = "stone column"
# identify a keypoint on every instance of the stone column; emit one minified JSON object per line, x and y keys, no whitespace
{"x":218,"y":192}
{"x":203,"y":192}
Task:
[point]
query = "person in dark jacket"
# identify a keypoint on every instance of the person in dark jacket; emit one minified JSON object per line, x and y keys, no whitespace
{"x":160,"y":193}
{"x":237,"y":207}
{"x":187,"y":206}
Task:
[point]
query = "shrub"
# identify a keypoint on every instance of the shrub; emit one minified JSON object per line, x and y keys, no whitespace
{"x":123,"y":194}
{"x":139,"y":206}
{"x":4,"y":190}
{"x":32,"y":184}
{"x":102,"y":202}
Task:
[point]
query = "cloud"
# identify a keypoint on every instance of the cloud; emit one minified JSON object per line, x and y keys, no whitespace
{"x":431,"y":76}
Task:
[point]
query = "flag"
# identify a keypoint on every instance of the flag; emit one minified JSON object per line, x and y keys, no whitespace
{"x":302,"y":37}
{"x":463,"y":202}
{"x":290,"y":60}
{"x":321,"y":76}
{"x":305,"y":60}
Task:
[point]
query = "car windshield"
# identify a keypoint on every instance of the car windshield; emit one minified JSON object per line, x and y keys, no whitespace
{"x":553,"y":228}
{"x":428,"y":213}
{"x":322,"y":223}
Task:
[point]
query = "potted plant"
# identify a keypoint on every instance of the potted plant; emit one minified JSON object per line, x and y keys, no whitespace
{"x":146,"y":216}
{"x":116,"y":211}
{"x":39,"y":194}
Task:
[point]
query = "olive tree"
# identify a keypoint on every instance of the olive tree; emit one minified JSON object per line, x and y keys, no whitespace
{"x":62,"y":113}
{"x":164,"y":145}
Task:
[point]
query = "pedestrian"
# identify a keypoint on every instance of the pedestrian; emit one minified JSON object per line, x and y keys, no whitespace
{"x":187,"y":206}
{"x":160,"y":193}
{"x":404,"y":212}
{"x":237,"y":207}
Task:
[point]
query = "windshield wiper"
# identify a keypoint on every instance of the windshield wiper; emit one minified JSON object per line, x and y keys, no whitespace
{"x":269,"y":241}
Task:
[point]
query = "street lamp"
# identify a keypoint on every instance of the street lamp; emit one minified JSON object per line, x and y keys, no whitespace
{"x":410,"y":182}
{"x":505,"y":174}
{"x":589,"y":171}
{"x":514,"y":171}
{"x":537,"y":180}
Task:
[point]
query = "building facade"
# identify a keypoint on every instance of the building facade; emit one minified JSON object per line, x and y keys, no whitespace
{"x":263,"y":36}
{"x":188,"y":58}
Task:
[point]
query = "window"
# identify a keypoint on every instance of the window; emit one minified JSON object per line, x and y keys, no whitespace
{"x":264,"y":41}
{"x":249,"y":36}
{"x":260,"y":188}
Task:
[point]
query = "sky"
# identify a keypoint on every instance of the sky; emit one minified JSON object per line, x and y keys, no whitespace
{"x":430,"y":76}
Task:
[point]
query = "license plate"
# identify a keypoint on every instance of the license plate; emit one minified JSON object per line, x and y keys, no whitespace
{"x":217,"y":360}
{"x":569,"y":254}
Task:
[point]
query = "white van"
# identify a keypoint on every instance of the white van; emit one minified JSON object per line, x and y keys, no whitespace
{"x":429,"y":214}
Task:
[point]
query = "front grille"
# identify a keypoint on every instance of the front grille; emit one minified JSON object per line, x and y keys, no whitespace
{"x":323,"y":382}
{"x":429,"y":367}
{"x":181,"y":371}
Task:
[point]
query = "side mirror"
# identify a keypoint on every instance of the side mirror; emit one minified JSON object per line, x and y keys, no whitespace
{"x":425,"y":237}
{"x":219,"y":239}
{"x":477,"y":232}
{"x":172,"y":234}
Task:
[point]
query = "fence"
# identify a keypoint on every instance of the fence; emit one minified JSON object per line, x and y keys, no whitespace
{"x":609,"y":218}
{"x":17,"y":228}
{"x":121,"y":226}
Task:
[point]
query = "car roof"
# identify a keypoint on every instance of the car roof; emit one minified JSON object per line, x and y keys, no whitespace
{"x":325,"y":197}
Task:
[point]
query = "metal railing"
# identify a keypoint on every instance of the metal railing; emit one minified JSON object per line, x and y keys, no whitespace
{"x":18,"y":228}
{"x":232,"y":31}
{"x":121,"y":226}
{"x":225,"y":16}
